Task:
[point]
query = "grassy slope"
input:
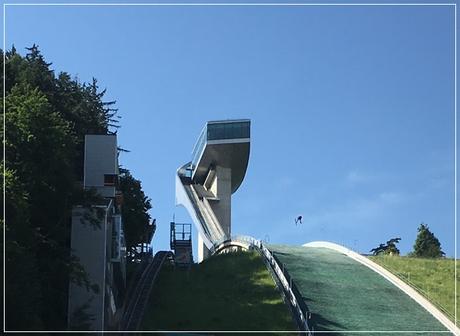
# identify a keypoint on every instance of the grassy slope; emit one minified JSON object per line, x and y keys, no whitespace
{"x":226,"y":292}
{"x":434,"y":278}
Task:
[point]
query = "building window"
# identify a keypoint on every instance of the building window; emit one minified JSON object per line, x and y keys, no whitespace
{"x":230,"y":130}
{"x":110,"y":180}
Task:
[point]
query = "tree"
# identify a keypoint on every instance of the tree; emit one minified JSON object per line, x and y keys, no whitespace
{"x":23,"y":293}
{"x":39,"y":158}
{"x":46,"y":120}
{"x":389,"y":248}
{"x":426,"y":244}
{"x":378,"y":250}
{"x":134,"y":211}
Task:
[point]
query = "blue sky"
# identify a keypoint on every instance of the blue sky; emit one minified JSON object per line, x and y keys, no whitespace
{"x":352,"y":108}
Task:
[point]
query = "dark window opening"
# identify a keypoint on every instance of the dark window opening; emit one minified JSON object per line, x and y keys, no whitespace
{"x":110,"y":180}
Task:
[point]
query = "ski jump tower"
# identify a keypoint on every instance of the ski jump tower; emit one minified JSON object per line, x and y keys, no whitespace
{"x":204,"y":186}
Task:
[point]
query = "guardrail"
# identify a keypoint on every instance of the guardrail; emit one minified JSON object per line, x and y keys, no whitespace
{"x":240,"y":239}
{"x":138,"y":301}
{"x":134,"y":280}
{"x":406,"y":278}
{"x":298,"y":307}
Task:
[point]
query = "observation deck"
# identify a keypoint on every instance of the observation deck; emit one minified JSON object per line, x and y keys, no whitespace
{"x":224,"y":143}
{"x":205,"y":184}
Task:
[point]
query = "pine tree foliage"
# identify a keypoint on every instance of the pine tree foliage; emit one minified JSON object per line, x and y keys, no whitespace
{"x":134,"y":209}
{"x":426,"y":244}
{"x":46,"y":118}
{"x":387,"y":249}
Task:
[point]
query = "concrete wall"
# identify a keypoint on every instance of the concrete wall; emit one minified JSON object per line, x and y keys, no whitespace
{"x":220,"y":184}
{"x":89,"y":245}
{"x":101,"y":158}
{"x":92,"y":243}
{"x":222,"y":208}
{"x":203,"y":251}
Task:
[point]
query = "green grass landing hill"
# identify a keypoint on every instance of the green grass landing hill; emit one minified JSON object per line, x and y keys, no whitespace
{"x":226,"y":292}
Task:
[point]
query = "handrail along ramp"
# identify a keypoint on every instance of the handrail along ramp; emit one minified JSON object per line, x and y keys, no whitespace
{"x":283,"y":280}
{"x":138,"y":301}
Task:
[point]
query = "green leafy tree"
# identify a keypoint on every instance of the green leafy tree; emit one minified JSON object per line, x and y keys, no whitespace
{"x":38,"y":146}
{"x":387,"y":249}
{"x":426,"y":244}
{"x":23,"y":292}
{"x":136,"y":219}
{"x":391,"y":246}
{"x":46,"y":120}
{"x":81,"y":319}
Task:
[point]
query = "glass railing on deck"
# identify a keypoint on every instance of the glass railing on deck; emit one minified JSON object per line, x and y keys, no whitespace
{"x":230,"y":130}
{"x":220,"y":131}
{"x":198,"y":148}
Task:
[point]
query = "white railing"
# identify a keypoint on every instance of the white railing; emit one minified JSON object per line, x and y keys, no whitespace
{"x":302,"y":315}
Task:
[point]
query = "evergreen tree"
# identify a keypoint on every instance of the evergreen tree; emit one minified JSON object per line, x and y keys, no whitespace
{"x":426,"y":244}
{"x":391,"y":246}
{"x":387,"y":249}
{"x":46,"y":120}
{"x":134,"y":211}
{"x":38,"y":153}
{"x":23,"y":292}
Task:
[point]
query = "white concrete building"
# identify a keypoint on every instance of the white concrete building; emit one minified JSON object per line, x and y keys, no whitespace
{"x":97,"y":240}
{"x":204,"y":186}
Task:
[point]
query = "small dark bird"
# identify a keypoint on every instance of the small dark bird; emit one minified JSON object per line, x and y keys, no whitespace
{"x":298,"y":220}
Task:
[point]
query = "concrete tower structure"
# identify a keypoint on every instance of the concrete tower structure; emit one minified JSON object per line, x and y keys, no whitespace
{"x":97,"y":240}
{"x":204,"y":186}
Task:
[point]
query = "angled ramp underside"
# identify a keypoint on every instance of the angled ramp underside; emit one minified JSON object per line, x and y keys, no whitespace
{"x":197,"y":202}
{"x":204,"y":186}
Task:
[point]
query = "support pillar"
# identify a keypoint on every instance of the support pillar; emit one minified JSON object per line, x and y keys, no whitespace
{"x":222,"y":188}
{"x":203,"y":251}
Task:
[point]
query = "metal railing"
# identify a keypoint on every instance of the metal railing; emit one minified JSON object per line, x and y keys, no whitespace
{"x":294,"y":298}
{"x":179,"y":231}
{"x":424,"y":292}
{"x":139,"y":298}
{"x":297,"y":304}
{"x":250,"y":241}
